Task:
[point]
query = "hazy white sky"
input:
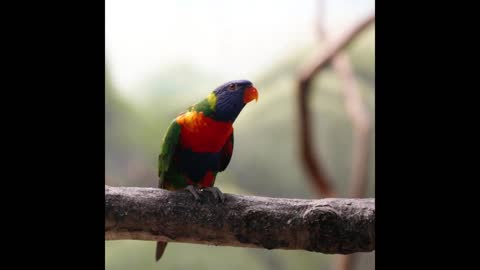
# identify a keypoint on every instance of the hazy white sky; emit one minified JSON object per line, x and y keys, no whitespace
{"x":234,"y":39}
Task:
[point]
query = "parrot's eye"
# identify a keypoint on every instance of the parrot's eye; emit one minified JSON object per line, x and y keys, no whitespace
{"x":232,"y":87}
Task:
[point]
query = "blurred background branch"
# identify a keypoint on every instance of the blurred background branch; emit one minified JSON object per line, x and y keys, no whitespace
{"x":310,"y":69}
{"x":332,"y":226}
{"x":356,"y":111}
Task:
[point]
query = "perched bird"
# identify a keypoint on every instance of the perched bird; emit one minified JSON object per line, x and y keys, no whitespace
{"x":199,"y":142}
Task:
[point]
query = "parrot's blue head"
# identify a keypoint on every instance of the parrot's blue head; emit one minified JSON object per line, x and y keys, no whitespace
{"x":231,"y":97}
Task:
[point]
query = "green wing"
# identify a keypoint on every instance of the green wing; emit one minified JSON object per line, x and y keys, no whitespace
{"x":170,"y":142}
{"x":226,"y":153}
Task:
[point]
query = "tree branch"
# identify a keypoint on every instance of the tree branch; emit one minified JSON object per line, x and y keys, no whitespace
{"x":313,"y":167}
{"x":360,"y":118}
{"x":331,"y":226}
{"x":324,"y":56}
{"x":356,"y":110}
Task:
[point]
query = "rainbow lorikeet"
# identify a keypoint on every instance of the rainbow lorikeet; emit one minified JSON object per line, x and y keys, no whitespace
{"x":199,"y":142}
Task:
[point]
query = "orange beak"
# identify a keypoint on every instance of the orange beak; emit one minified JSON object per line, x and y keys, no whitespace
{"x":250,"y":94}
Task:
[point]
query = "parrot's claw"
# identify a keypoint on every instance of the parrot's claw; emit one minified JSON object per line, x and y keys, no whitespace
{"x":194,"y":192}
{"x":216,"y":193}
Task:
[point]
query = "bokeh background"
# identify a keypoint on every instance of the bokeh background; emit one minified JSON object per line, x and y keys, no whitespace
{"x":162,"y":56}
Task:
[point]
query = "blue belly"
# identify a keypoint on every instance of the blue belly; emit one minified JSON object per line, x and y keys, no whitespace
{"x":196,"y":165}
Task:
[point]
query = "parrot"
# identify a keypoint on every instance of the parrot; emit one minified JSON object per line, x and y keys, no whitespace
{"x":199,"y":143}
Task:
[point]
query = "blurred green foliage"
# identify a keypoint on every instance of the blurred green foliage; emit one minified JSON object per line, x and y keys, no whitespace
{"x":265,"y":160}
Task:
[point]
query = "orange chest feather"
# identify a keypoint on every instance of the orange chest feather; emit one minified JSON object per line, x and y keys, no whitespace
{"x":201,"y":133}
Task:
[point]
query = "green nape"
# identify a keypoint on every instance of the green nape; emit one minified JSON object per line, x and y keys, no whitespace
{"x":207,"y":105}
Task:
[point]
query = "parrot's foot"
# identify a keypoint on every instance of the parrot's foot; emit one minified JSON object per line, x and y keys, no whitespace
{"x":216,"y":193}
{"x":193,"y":190}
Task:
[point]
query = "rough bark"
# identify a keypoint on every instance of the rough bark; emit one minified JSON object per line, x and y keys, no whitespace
{"x":331,"y":226}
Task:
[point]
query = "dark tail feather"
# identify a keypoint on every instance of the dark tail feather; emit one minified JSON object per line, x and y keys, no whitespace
{"x":160,"y":245}
{"x":160,"y":249}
